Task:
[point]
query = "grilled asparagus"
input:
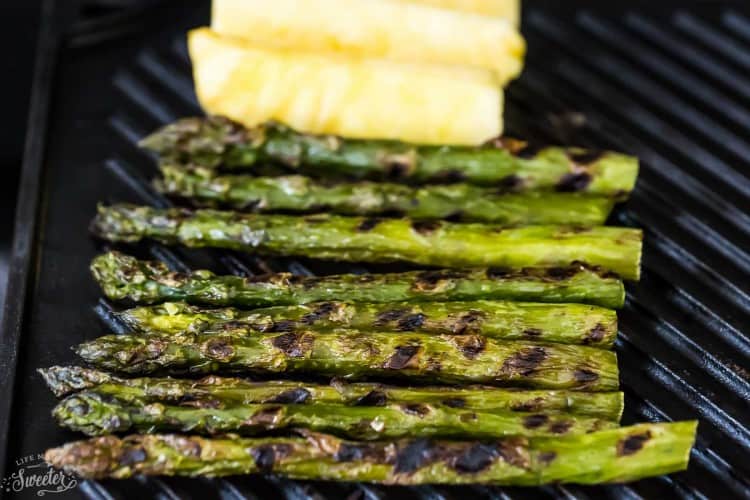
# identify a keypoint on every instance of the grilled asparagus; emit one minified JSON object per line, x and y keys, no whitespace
{"x":124,"y":277}
{"x":564,"y":323}
{"x":96,"y":414}
{"x":66,"y":380}
{"x":615,"y":455}
{"x":361,"y":239}
{"x":505,"y":163}
{"x":442,"y":358}
{"x":463,"y":202}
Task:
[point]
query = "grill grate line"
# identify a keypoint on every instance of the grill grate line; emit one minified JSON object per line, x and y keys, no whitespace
{"x":669,"y":72}
{"x":690,"y":55}
{"x":721,"y":44}
{"x":143,"y":98}
{"x":685,"y":255}
{"x":176,"y":82}
{"x":571,"y":69}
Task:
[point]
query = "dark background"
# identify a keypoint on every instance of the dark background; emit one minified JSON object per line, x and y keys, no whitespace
{"x":18,"y":36}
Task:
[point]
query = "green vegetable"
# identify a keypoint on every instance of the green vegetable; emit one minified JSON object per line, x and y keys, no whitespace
{"x":124,"y":277}
{"x":96,"y":414}
{"x":615,"y":455}
{"x":443,"y":358}
{"x":66,"y":380}
{"x":297,"y":194}
{"x":563,"y":323}
{"x":506,"y":163}
{"x":377,"y":240}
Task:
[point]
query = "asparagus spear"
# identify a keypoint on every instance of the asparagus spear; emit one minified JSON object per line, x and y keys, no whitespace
{"x":565,"y":323}
{"x":96,"y":414}
{"x":443,"y":358}
{"x":66,"y":380}
{"x":615,"y":455}
{"x":124,"y":277}
{"x":507,"y":163}
{"x":377,"y":240}
{"x":456,"y":201}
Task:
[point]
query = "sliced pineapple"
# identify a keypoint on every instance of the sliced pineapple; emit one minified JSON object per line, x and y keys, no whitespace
{"x":353,"y":97}
{"x":507,"y":9}
{"x":389,"y":29}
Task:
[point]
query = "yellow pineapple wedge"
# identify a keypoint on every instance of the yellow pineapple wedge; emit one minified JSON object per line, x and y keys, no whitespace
{"x":354,"y":97}
{"x":507,"y":9}
{"x":389,"y":29}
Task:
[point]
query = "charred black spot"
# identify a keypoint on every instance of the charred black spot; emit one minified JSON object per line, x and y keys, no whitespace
{"x":471,"y":346}
{"x":450,"y":176}
{"x":477,"y":458}
{"x":402,"y":356}
{"x":416,"y":409}
{"x":571,"y":183}
{"x":585,"y":376}
{"x":547,"y":457}
{"x":367,"y":225}
{"x":397,"y":169}
{"x":294,"y":345}
{"x":560,"y":427}
{"x":533,"y":332}
{"x":529,"y":151}
{"x":411,"y":322}
{"x":385,"y":317}
{"x":132,"y":456}
{"x":265,"y":416}
{"x":561,"y":273}
{"x":350,"y":452}
{"x":323,"y":310}
{"x":264,"y":457}
{"x":530,"y":405}
{"x":425,"y":226}
{"x":372,"y":398}
{"x":499,"y":272}
{"x":416,"y":455}
{"x":535,"y":421}
{"x":291,"y":397}
{"x":595,"y":335}
{"x":525,"y":361}
{"x":468,"y":323}
{"x":219,"y":349}
{"x":456,"y":216}
{"x":583,"y":157}
{"x":427,"y":280}
{"x":632,"y":444}
{"x":510,"y":182}
{"x":455,"y":402}
{"x":283,"y":325}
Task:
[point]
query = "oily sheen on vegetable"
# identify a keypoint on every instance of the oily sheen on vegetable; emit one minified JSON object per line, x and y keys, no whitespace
{"x":614,"y":455}
{"x":563,"y":323}
{"x":509,"y":165}
{"x":361,"y":239}
{"x":123,"y":277}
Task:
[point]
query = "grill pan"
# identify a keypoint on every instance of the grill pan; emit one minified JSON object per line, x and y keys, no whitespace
{"x":667,"y":82}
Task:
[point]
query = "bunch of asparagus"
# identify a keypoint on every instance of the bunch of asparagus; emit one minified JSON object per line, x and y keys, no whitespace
{"x":522,"y":305}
